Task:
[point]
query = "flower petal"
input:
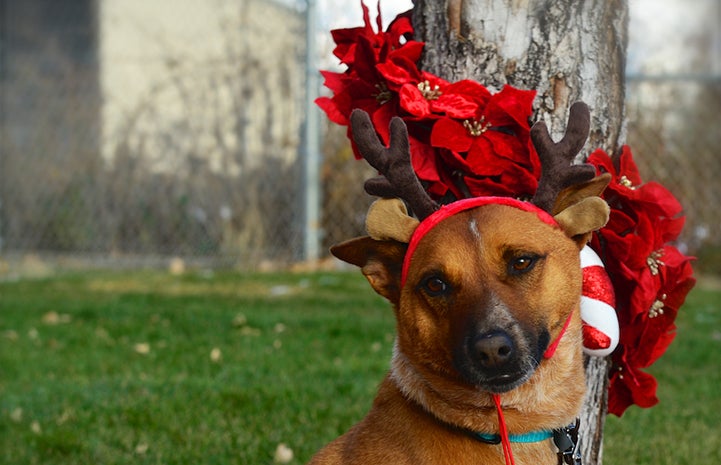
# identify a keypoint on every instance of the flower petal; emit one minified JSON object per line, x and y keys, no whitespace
{"x":455,"y":106}
{"x":412,"y":101}
{"x":450,"y":134}
{"x":511,"y":107}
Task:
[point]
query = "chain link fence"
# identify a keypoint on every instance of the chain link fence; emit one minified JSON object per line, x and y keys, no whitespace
{"x":133,"y":134}
{"x":124,"y":140}
{"x":673,"y":133}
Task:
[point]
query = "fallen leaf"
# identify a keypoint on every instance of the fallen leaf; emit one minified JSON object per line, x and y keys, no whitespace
{"x":17,"y":415}
{"x":35,"y":427}
{"x":64,"y":417}
{"x":283,"y":454}
{"x":54,"y":318}
{"x":248,"y":331}
{"x":141,"y":448}
{"x":142,"y":348}
{"x":280,"y":290}
{"x":240,"y":320}
{"x":176,"y":267}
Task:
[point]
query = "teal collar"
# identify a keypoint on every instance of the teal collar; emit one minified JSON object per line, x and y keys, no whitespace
{"x":534,"y":436}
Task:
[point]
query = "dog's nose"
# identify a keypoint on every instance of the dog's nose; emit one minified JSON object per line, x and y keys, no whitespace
{"x":493,"y":349}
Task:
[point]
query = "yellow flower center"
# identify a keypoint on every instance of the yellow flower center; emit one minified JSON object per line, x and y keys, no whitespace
{"x":428,"y":92}
{"x":625,"y":182}
{"x":657,"y":307}
{"x":654,"y":261}
{"x":476,"y":127}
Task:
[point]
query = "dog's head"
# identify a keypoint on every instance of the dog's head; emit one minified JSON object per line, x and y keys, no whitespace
{"x":484,"y":293}
{"x":482,"y":287}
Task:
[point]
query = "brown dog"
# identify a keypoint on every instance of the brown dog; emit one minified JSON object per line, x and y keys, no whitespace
{"x":479,"y":296}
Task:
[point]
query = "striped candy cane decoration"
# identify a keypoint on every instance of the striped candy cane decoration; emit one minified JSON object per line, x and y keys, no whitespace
{"x":600,"y":324}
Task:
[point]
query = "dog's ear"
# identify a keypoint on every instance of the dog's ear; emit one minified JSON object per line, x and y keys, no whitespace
{"x":379,"y":261}
{"x":579,"y":210}
{"x":388,"y":219}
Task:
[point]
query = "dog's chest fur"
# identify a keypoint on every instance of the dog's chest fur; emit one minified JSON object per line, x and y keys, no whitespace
{"x":398,"y":432}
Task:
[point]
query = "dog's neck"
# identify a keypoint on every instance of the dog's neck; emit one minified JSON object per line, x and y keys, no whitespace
{"x":536,"y":405}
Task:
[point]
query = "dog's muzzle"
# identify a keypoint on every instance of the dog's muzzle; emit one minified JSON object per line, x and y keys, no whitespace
{"x":496,"y":360}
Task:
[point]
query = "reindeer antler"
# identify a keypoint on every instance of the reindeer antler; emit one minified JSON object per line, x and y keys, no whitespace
{"x":394,"y":163}
{"x":557,"y":169}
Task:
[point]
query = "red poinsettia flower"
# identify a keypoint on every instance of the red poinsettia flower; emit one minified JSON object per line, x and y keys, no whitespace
{"x":478,"y":135}
{"x":432,"y":97}
{"x":363,"y":85}
{"x":493,"y":135}
{"x":425,"y":99}
{"x":346,"y":39}
{"x":364,"y":88}
{"x":650,"y":276}
{"x":645,"y":340}
{"x":664,"y":268}
{"x":628,"y":193}
{"x":629,"y":386}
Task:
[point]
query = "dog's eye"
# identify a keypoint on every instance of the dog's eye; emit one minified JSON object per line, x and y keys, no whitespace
{"x":522,"y":264}
{"x":435,"y":286}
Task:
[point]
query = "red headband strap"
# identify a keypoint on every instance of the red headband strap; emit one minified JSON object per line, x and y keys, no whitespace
{"x":459,"y":206}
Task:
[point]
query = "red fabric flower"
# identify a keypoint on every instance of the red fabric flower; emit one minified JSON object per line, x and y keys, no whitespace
{"x":651,"y":277}
{"x":629,"y":387}
{"x":492,"y":139}
{"x":372,"y":57}
{"x":362,"y":87}
{"x":433,"y":97}
{"x":347,"y":39}
{"x":495,"y":129}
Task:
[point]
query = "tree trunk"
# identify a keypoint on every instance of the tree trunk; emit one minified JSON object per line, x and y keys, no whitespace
{"x":567,"y":51}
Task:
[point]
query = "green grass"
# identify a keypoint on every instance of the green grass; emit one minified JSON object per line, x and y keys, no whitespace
{"x":116,"y":368}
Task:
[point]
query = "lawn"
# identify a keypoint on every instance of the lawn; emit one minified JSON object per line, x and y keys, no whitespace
{"x":221,"y":368}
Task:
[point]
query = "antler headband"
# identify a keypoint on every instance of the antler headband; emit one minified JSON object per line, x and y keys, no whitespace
{"x":389,"y":219}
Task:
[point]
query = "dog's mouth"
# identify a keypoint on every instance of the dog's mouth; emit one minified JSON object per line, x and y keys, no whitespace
{"x":505,"y":382}
{"x":497,"y":381}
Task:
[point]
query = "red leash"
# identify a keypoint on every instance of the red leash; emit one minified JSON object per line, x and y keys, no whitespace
{"x":503,"y":431}
{"x":554,"y":345}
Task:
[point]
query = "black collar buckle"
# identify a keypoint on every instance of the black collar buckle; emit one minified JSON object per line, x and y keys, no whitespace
{"x":566,"y":440}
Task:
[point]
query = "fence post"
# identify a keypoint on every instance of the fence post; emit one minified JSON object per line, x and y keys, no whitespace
{"x":311,"y":146}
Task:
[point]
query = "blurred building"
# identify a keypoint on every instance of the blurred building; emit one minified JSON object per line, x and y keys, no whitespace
{"x":181,"y":97}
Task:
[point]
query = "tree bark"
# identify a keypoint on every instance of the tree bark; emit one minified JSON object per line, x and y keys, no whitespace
{"x":567,"y":51}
